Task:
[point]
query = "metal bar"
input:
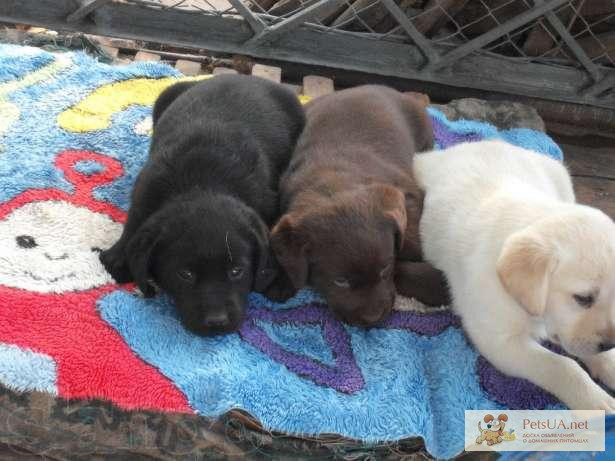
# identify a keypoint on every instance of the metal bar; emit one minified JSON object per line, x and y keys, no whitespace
{"x":417,"y":37}
{"x":599,"y":87}
{"x":86,"y":8}
{"x":254,"y":21}
{"x":571,"y":43}
{"x":494,"y":34}
{"x":272,"y":33}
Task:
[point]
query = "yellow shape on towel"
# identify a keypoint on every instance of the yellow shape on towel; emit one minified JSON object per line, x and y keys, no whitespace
{"x":94,"y":112}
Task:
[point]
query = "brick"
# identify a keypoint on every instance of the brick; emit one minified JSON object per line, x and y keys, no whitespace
{"x":269,"y":72}
{"x":315,"y":86}
{"x":145,"y":56}
{"x":223,"y":70}
{"x":188,"y":67}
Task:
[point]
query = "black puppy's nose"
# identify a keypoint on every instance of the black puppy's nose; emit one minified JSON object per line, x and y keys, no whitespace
{"x":606,"y":346}
{"x":217,"y":320}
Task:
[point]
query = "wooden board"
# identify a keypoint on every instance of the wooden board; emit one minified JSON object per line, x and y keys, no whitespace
{"x":596,"y":192}
{"x":593,"y":170}
{"x":228,"y":34}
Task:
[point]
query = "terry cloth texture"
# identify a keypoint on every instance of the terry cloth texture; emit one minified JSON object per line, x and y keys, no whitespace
{"x":73,"y":136}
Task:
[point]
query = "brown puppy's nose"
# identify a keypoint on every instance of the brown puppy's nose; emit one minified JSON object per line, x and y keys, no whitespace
{"x":370,"y":318}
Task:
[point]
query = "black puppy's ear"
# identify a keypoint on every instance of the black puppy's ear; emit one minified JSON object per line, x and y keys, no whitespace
{"x":168,"y":96}
{"x":266,"y":270}
{"x":290,"y":248}
{"x":139,"y":254}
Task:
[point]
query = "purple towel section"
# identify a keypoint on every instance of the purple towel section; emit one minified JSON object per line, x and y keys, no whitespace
{"x":446,"y":138}
{"x":345,"y":376}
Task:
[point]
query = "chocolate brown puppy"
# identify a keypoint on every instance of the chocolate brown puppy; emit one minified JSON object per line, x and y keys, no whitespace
{"x":351,"y":207}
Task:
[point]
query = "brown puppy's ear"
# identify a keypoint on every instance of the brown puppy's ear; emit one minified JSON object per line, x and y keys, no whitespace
{"x":503,"y":417}
{"x":420,"y":121}
{"x":421,"y":98}
{"x":392,"y":203}
{"x":290,"y":248}
{"x":525,"y":266}
{"x":488,"y":418}
{"x":139,"y":253}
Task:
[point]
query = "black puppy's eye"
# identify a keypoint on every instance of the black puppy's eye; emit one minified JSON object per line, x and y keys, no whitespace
{"x":96,"y":249}
{"x":235,"y":273}
{"x":26,"y":241}
{"x":586,"y":301}
{"x":186,"y":275}
{"x":342,"y":282}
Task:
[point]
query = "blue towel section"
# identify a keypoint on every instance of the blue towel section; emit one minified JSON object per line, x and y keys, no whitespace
{"x":449,"y":132}
{"x":293,"y":366}
{"x":23,"y":369}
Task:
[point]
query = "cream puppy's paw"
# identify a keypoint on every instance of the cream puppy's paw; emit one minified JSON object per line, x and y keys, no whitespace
{"x":602,"y":368}
{"x":594,"y":398}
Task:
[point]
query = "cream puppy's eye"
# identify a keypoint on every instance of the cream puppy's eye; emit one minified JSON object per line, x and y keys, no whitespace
{"x":586,"y":301}
{"x":342,"y":282}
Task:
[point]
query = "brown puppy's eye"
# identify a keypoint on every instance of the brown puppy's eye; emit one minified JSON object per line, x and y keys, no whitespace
{"x":386,"y":271}
{"x":586,"y":301}
{"x":235,"y":273}
{"x":342,"y":282}
{"x":186,"y":275}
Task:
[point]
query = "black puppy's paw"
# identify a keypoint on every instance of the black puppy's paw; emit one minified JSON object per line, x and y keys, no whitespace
{"x":115,"y":263}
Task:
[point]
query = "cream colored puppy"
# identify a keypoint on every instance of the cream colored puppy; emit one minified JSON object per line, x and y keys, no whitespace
{"x":524,"y":263}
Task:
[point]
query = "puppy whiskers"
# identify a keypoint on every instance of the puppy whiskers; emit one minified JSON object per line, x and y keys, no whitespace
{"x":228,"y":247}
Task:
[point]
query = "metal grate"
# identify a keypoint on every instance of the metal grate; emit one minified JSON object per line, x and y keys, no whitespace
{"x":434,"y":40}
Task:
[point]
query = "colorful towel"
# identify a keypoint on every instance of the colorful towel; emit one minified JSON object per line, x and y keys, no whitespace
{"x":73,"y":135}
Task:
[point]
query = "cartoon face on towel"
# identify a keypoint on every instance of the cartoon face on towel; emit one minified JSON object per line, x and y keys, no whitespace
{"x":43,"y":252}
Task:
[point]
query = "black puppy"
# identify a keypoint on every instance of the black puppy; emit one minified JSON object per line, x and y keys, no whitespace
{"x":198,"y":222}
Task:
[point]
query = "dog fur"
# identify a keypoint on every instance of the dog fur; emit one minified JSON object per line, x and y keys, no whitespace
{"x":525,"y":263}
{"x":351,"y":207}
{"x":201,"y":207}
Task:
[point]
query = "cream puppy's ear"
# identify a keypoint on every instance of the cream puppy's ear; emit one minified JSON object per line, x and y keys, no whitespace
{"x":525,"y":266}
